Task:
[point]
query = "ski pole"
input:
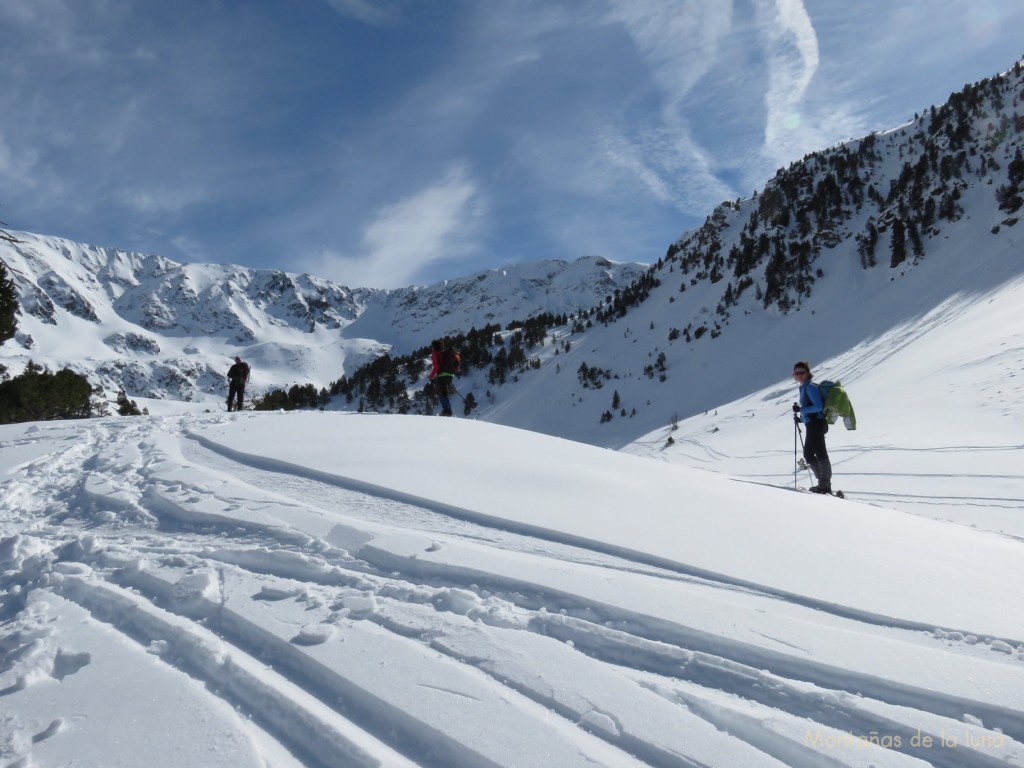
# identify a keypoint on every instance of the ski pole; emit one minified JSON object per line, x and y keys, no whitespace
{"x":472,"y":406}
{"x":810,"y":477}
{"x":796,"y":465}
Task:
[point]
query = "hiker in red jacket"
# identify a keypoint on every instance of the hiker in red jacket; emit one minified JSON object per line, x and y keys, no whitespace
{"x":445,"y":366}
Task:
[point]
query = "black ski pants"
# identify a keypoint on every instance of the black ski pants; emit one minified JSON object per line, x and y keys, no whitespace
{"x":815,"y":452}
{"x":236,"y":389}
{"x":443,"y":386}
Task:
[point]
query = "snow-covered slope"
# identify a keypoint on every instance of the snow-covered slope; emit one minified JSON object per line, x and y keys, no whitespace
{"x":287,"y":589}
{"x":788,"y":275}
{"x":940,"y":409}
{"x":851,"y":310}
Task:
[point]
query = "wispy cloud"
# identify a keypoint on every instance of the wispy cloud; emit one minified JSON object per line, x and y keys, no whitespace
{"x":682,"y":45}
{"x":17,"y":169}
{"x":674,"y":168}
{"x":680,"y":42}
{"x":437,"y":223}
{"x":50,"y":25}
{"x":733,"y":97}
{"x":366,"y":11}
{"x":158,"y":200}
{"x":791,"y":51}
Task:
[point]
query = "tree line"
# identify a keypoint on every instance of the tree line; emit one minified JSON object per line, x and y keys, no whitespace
{"x":37,"y":394}
{"x":394,"y":383}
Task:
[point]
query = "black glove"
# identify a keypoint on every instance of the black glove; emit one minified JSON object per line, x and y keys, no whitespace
{"x":796,"y":408}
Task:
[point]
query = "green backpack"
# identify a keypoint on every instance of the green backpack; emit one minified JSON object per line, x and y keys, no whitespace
{"x":837,"y":403}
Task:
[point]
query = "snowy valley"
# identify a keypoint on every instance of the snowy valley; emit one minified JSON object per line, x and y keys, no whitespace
{"x":320,"y":589}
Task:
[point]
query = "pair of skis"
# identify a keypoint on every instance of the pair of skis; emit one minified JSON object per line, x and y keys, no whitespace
{"x":837,"y":494}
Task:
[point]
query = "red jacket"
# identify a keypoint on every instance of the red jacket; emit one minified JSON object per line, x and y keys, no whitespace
{"x":435,"y":360}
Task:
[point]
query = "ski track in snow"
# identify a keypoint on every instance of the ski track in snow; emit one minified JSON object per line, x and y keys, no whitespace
{"x":303,"y":605}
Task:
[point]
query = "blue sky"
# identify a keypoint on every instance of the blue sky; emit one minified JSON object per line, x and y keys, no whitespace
{"x":382,"y":143}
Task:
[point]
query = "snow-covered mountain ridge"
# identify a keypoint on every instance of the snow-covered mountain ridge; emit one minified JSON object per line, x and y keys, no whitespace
{"x":160,"y":329}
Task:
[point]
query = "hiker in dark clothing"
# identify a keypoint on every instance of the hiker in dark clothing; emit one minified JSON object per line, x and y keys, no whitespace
{"x":811,"y":411}
{"x":444,"y":367}
{"x":238,"y":377}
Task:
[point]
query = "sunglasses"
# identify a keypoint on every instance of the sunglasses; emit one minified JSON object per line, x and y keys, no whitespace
{"x":800,"y":373}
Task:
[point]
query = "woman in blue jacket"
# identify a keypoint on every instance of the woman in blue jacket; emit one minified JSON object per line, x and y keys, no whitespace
{"x":811,"y":409}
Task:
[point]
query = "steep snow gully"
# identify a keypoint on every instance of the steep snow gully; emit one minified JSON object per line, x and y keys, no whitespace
{"x":281,"y":616}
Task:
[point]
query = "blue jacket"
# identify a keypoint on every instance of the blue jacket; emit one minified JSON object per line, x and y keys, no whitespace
{"x":811,"y":406}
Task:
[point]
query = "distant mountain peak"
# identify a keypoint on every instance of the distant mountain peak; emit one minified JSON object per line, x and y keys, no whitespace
{"x":157,"y":328}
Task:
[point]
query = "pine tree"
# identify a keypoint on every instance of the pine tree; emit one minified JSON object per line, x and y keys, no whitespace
{"x":126,"y":407}
{"x":1011,"y":195}
{"x":38,"y":395}
{"x":899,"y":243}
{"x":8,"y":306}
{"x":866,"y":243}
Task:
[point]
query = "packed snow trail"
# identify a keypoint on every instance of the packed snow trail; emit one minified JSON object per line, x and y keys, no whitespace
{"x":259,"y":607}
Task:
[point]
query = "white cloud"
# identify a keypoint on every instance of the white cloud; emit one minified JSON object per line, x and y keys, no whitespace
{"x":157,"y":200}
{"x":372,"y":12}
{"x":437,"y":223}
{"x":668,"y":165}
{"x":54,"y":29}
{"x":680,"y":42}
{"x":760,"y":74}
{"x":12,"y":166}
{"x":791,"y":50}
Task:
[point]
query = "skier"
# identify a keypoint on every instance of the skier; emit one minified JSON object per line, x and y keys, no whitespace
{"x":238,"y":377}
{"x":445,"y":366}
{"x":811,"y":411}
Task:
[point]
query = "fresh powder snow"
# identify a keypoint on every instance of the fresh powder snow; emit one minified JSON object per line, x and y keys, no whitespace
{"x":327,"y":589}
